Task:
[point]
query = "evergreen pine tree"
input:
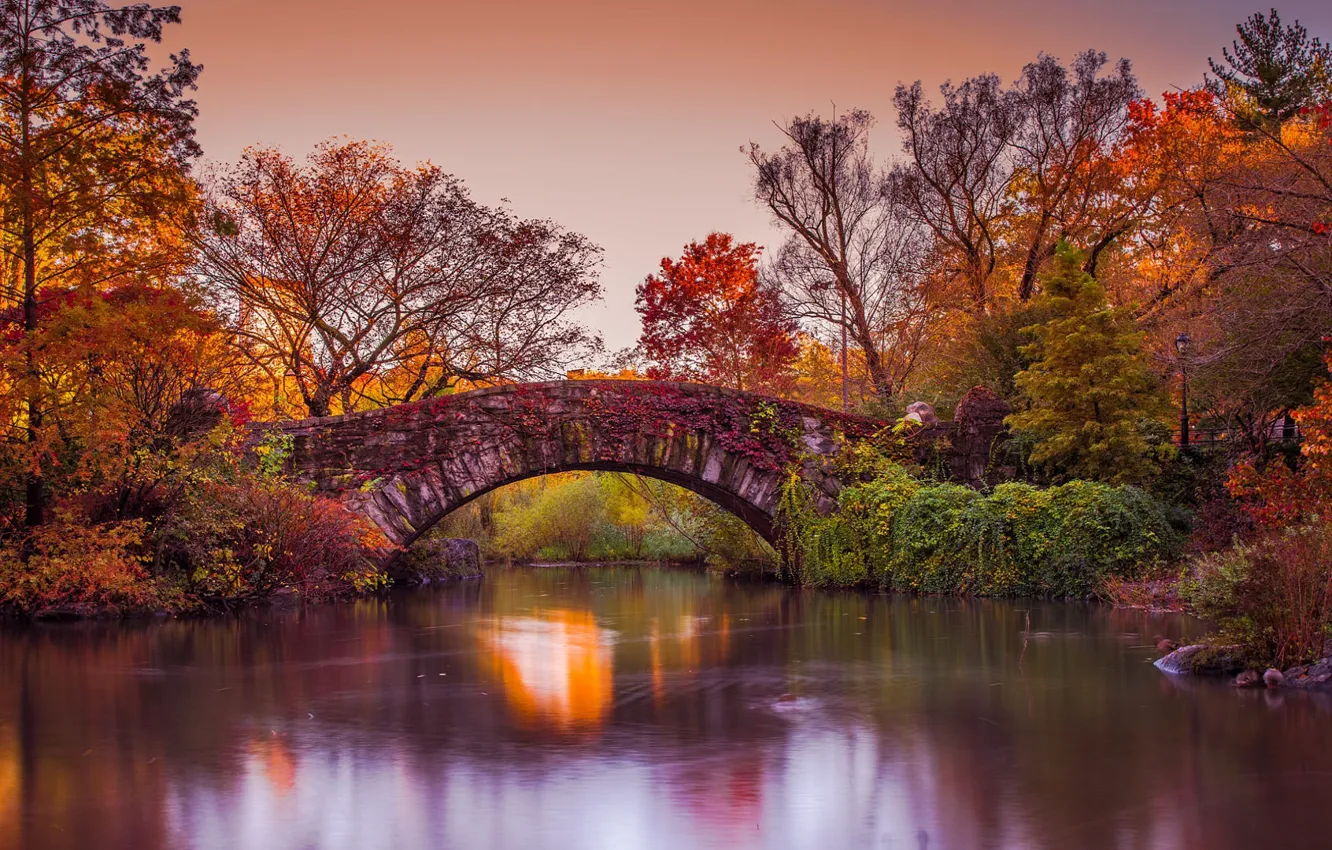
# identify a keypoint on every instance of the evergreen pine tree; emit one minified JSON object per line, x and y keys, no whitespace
{"x":1276,"y":71}
{"x":1089,"y":388}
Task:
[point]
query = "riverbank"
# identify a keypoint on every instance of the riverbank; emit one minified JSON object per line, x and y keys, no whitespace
{"x":1216,"y":661}
{"x":431,"y":561}
{"x":60,"y":592}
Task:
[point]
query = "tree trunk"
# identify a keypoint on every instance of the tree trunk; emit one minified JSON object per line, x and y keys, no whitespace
{"x":35,"y":496}
{"x":860,"y":331}
{"x":878,"y":372}
{"x":35,"y":491}
{"x":319,"y":404}
{"x":1036,"y":255}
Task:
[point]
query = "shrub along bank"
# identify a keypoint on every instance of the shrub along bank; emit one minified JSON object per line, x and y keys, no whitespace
{"x":203,"y":527}
{"x":899,"y":533}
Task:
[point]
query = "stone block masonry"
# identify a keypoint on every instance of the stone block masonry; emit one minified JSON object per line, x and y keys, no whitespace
{"x":406,"y":467}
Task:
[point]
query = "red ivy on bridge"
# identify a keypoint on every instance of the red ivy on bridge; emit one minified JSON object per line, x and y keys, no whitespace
{"x":764,"y":432}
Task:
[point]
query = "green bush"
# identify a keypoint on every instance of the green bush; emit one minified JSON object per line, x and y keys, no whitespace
{"x":555,"y":522}
{"x":1272,"y":598}
{"x":930,"y":541}
{"x":903,"y":534}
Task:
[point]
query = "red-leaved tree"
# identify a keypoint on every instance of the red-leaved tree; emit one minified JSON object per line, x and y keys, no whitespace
{"x":707,"y":317}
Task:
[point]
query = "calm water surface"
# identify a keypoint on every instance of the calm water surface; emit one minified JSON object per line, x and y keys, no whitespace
{"x":627,"y":707}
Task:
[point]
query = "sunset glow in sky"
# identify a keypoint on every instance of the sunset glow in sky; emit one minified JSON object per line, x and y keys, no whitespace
{"x":624,"y":120}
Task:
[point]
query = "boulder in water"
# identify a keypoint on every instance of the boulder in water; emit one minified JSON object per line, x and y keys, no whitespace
{"x":434,"y":559}
{"x":1202,"y":659}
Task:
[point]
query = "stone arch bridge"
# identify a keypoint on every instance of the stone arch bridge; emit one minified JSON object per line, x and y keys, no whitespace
{"x":408,"y":466}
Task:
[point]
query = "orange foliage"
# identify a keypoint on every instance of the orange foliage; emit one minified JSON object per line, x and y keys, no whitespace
{"x":80,"y":569}
{"x":1276,"y":496}
{"x":1175,"y":154}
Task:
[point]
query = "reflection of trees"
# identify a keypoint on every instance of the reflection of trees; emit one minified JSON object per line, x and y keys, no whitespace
{"x":733,"y":711}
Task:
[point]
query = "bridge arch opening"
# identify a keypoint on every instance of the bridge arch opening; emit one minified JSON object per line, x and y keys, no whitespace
{"x":607,"y":511}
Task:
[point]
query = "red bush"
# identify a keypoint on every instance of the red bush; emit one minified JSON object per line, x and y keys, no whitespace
{"x":82,"y":570}
{"x":248,"y":540}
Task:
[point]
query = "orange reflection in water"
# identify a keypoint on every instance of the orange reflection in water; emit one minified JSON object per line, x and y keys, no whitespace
{"x":275,"y":757}
{"x":555,"y":669}
{"x":9,"y":787}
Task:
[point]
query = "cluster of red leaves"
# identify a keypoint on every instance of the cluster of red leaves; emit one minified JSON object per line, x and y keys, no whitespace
{"x":1322,"y":117}
{"x":706,"y":317}
{"x":733,"y":421}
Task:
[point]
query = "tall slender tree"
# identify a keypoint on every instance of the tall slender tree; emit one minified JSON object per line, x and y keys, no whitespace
{"x":853,"y":258}
{"x":93,"y":144}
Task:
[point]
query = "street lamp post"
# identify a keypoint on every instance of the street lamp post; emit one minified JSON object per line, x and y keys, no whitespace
{"x":1182,"y":343}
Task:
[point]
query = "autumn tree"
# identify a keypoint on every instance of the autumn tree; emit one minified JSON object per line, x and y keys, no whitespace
{"x":999,"y":176}
{"x":707,"y":317}
{"x":92,"y":150}
{"x":131,"y":375}
{"x":853,"y":257}
{"x":361,"y":281}
{"x":1262,"y":309}
{"x":1066,"y":187}
{"x":1272,"y":71}
{"x":956,"y":179}
{"x":1181,"y":150}
{"x":1089,"y":388}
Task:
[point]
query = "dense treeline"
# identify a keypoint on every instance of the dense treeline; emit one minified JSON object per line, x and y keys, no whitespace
{"x":1205,"y":212}
{"x":1052,"y":239}
{"x":151,"y":309}
{"x":1101,"y":260}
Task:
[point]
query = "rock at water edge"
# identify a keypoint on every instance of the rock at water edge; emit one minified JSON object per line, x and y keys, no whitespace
{"x":1200,"y":659}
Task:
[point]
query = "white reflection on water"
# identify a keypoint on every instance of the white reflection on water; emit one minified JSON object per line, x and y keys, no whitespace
{"x":820,"y":787}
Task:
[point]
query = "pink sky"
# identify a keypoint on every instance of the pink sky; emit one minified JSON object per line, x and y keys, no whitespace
{"x":624,"y":120}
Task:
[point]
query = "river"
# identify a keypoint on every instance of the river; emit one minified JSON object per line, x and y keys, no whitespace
{"x":640,"y":707}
